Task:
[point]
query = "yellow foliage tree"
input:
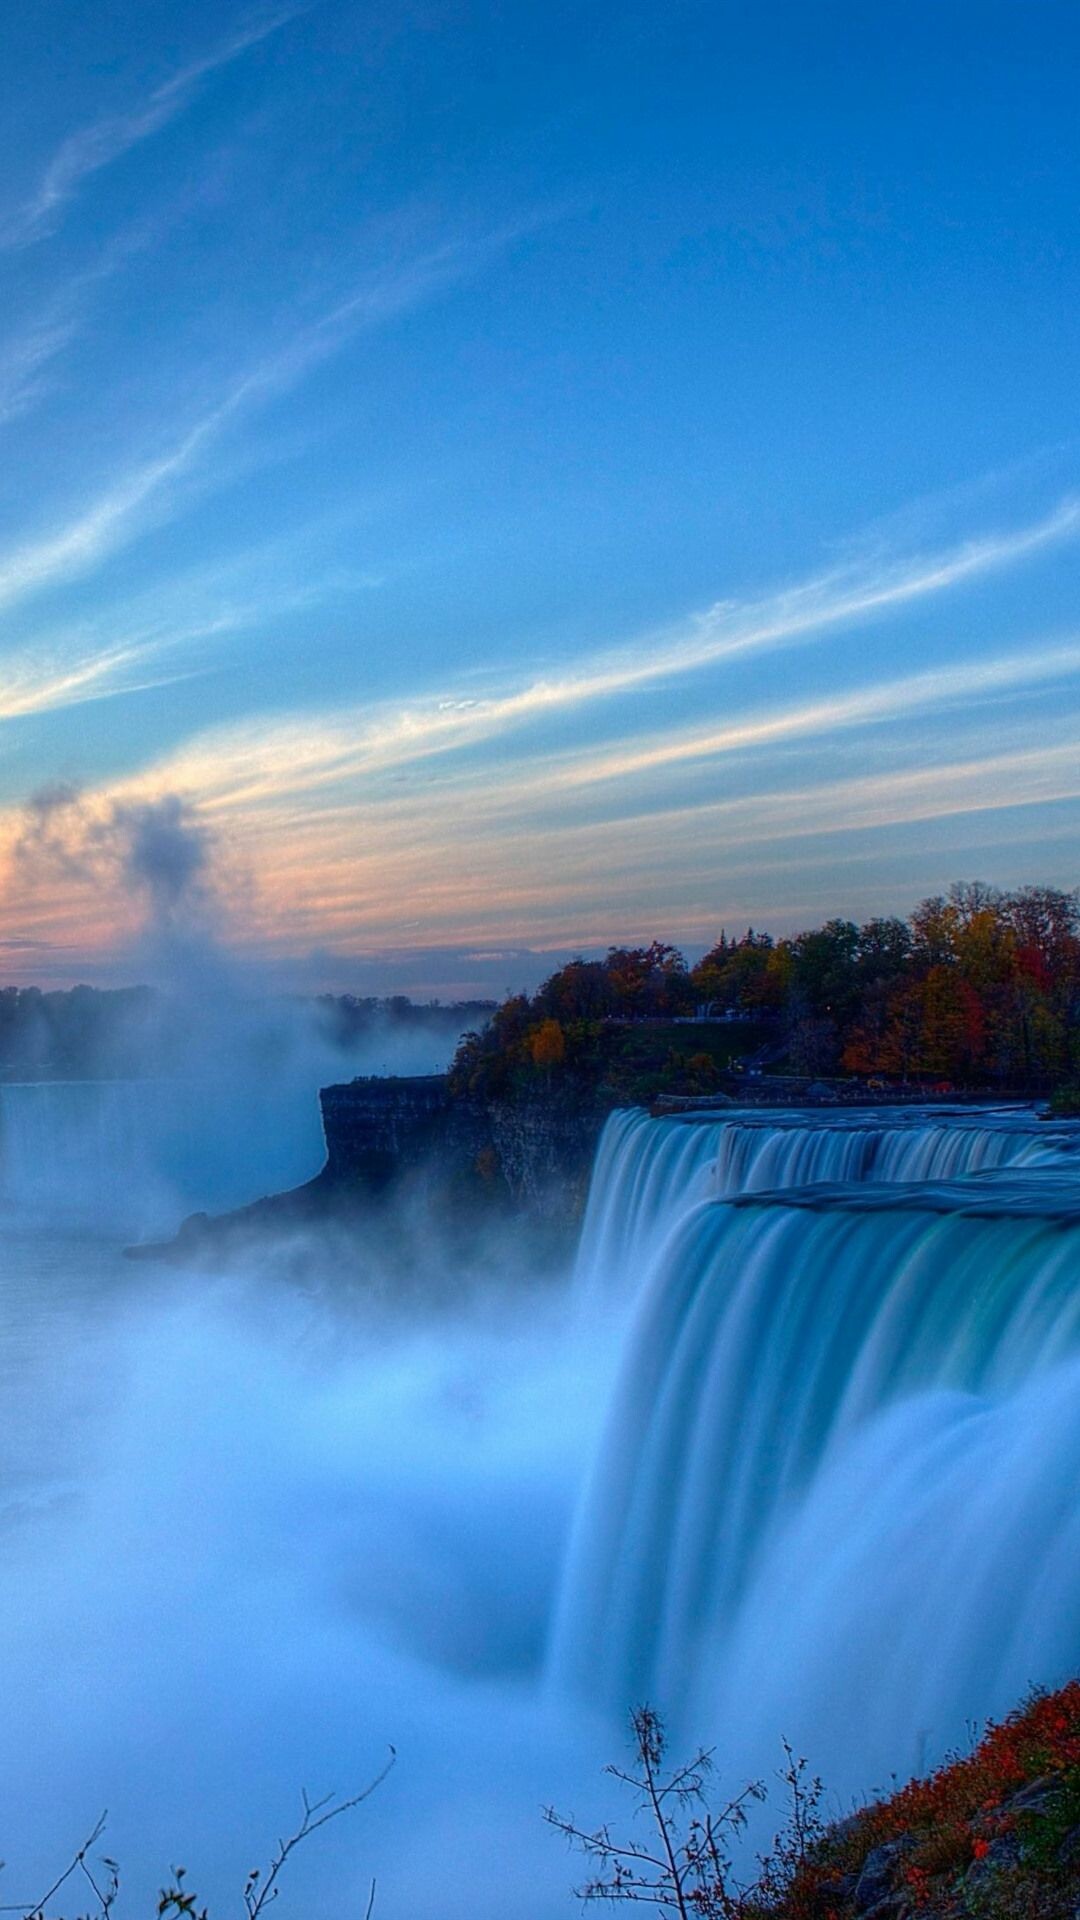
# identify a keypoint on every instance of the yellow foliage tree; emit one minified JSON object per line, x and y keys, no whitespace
{"x":547,"y":1044}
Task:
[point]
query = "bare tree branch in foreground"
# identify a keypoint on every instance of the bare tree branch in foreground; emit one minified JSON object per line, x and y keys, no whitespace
{"x":35,"y":1909}
{"x":683,"y":1867}
{"x":681,"y":1870}
{"x":260,"y":1891}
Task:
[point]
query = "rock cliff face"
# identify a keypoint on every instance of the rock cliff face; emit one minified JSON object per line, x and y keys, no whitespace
{"x":377,"y":1130}
{"x":534,"y":1154}
{"x":467,"y":1158}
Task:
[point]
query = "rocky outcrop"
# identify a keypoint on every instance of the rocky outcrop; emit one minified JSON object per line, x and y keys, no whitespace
{"x":992,"y":1836}
{"x":467,"y":1160}
{"x":544,"y":1153}
{"x":534,"y":1154}
{"x":377,"y":1131}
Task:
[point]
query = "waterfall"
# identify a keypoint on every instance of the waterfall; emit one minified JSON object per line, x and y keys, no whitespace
{"x":928,"y":1582}
{"x":136,"y":1155}
{"x":649,"y":1173}
{"x":845,"y":1429}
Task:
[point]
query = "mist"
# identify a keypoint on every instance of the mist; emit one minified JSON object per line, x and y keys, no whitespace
{"x":388,"y":1484}
{"x":233,"y":1112}
{"x":258,"y":1530}
{"x":279,"y":1540}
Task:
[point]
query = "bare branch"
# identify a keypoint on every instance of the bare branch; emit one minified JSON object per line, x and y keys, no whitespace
{"x":32,"y":1909}
{"x":316,"y":1814}
{"x":259,"y":1893}
{"x":689,"y":1875}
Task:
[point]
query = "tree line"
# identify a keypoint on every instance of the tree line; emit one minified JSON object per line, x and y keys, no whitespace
{"x":82,"y":1032}
{"x":979,"y":987}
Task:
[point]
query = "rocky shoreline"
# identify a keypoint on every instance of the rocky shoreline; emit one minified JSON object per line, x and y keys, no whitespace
{"x":992,"y":1836}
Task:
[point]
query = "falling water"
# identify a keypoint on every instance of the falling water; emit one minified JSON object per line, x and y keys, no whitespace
{"x":649,"y":1173}
{"x":804,"y":1460}
{"x":238,"y":1119}
{"x":815,"y":1378}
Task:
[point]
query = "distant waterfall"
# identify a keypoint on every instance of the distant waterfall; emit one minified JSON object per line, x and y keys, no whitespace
{"x":649,"y":1173}
{"x":840,"y":1475}
{"x":136,"y":1155}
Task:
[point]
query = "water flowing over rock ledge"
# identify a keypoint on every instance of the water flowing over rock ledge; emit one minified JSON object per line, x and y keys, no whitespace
{"x":1039,"y":1193}
{"x":826,"y":1316}
{"x":533,"y":1158}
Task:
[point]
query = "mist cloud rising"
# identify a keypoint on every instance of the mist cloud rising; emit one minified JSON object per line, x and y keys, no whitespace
{"x":201,"y":1089}
{"x":164,"y":851}
{"x":156,"y":851}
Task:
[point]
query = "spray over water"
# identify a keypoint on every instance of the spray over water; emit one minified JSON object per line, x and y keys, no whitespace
{"x":788,"y":1458}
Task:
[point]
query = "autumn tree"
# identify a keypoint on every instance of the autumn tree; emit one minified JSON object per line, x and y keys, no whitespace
{"x":547,"y":1045}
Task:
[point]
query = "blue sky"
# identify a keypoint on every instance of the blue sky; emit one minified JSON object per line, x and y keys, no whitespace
{"x":520,"y":478}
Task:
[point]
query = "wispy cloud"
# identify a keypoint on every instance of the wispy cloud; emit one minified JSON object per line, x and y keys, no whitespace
{"x":83,"y":541}
{"x":28,"y":353}
{"x":729,"y":629}
{"x":794,"y":615}
{"x":92,"y":148}
{"x":324,"y":750}
{"x":338,"y":875}
{"x":341,"y":878}
{"x":330,"y":813}
{"x":121,"y":512}
{"x":854,"y":593}
{"x":899,"y":699}
{"x":983,"y":783}
{"x":75,"y":665}
{"x":34,"y":684}
{"x":335,"y":850}
{"x":24,"y":362}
